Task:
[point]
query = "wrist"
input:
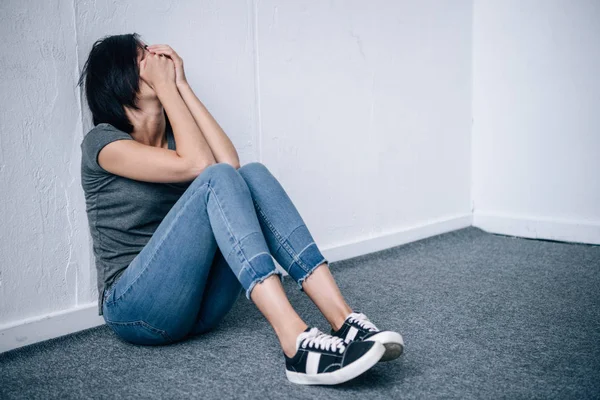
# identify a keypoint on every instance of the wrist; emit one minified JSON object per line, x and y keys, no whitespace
{"x":182,"y":84}
{"x":164,"y":88}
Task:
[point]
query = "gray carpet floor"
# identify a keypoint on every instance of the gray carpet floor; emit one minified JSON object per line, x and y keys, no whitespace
{"x":483,"y":316}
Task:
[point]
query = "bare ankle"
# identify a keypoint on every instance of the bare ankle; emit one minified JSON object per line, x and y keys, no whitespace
{"x":288,"y":338}
{"x":337,"y":319}
{"x":288,"y":350}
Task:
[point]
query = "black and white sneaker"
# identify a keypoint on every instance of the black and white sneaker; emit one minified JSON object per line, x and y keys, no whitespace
{"x":357,"y":327}
{"x":322,"y":359}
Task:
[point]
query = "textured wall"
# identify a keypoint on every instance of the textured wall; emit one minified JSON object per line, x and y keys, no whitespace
{"x":536,"y":122}
{"x":44,"y":245}
{"x":361,"y":109}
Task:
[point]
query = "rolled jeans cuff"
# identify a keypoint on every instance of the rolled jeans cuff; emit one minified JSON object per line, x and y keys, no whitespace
{"x":261,"y":279}
{"x":305,"y":264}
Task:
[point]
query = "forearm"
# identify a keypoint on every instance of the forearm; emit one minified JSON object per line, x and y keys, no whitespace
{"x":219,"y":142}
{"x":191,"y":143}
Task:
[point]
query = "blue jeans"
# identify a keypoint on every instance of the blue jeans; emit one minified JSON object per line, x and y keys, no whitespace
{"x":218,"y":238}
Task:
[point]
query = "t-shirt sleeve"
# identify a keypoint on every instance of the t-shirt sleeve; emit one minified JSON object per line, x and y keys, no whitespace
{"x":95,"y":140}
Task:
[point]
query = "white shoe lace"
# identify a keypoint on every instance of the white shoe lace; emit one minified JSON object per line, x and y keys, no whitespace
{"x":317,"y":339}
{"x":362,"y":321}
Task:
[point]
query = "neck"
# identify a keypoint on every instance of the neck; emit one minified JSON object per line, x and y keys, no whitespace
{"x":149,"y":123}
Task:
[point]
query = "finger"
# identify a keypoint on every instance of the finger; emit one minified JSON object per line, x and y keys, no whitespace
{"x":159,"y":45}
{"x":161,"y":56}
{"x":163,"y":49}
{"x":169,"y":54}
{"x":159,"y":48}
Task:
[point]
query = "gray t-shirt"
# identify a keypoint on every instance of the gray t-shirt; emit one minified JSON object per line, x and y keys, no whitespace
{"x":122,"y":213}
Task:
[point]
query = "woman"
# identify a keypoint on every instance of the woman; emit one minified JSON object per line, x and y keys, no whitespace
{"x":179,"y":229}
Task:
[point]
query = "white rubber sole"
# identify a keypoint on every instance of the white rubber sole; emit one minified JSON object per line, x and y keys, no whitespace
{"x":341,"y":375}
{"x":393,"y":343}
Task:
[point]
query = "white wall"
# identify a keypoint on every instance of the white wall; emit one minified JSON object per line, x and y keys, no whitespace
{"x":536,"y":132}
{"x":361,"y":109}
{"x":358,"y":119}
{"x":44,"y":251}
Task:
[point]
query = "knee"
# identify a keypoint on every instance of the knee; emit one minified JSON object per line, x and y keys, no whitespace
{"x":217,"y":170}
{"x":220,"y":168}
{"x":252,"y":167}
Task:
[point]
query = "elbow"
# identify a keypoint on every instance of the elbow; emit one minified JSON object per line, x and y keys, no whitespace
{"x":199,"y":167}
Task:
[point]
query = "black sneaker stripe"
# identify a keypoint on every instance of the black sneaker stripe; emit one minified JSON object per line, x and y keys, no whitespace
{"x":343,"y":331}
{"x":299,"y":365}
{"x":327,"y":360}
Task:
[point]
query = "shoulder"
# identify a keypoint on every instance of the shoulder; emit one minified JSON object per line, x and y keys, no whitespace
{"x":104,"y":132}
{"x":96,"y":138}
{"x":104,"y":128}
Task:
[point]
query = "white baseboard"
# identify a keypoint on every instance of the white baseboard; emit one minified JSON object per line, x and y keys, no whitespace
{"x":538,"y":228}
{"x":406,"y":235}
{"x":25,"y":332}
